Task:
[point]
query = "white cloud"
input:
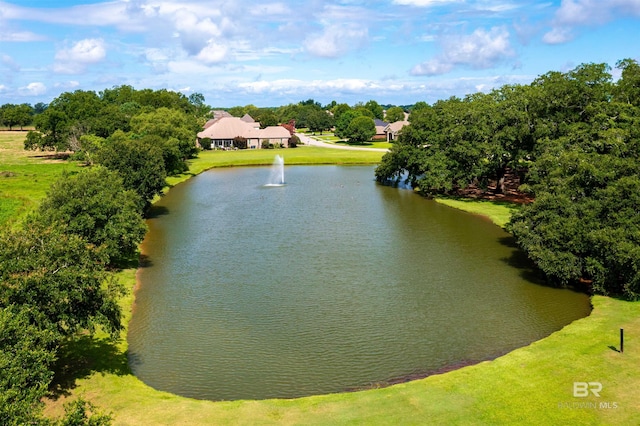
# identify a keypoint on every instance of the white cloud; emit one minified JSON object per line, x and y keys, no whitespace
{"x":9,"y":63}
{"x":336,"y":40}
{"x":74,"y":60}
{"x":19,"y":36}
{"x":432,"y":67}
{"x":67,"y":85}
{"x":558,"y":36}
{"x":273,"y":9}
{"x":313,"y":88}
{"x":33,"y":89}
{"x":194,"y":31}
{"x":575,"y":13}
{"x":481,"y":49}
{"x":423,"y":3}
{"x":213,"y":53}
{"x":156,"y":55}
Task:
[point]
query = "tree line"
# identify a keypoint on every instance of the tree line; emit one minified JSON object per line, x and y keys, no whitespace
{"x":56,"y":268}
{"x":339,"y":117}
{"x":56,"y":280}
{"x":573,"y":138}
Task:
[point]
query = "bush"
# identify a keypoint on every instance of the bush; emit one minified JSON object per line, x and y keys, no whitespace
{"x":240,"y":142}
{"x":205,"y":143}
{"x":294,"y":141}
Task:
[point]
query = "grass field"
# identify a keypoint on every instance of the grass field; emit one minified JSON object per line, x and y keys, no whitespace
{"x":498,"y":211}
{"x":531,"y":385}
{"x":25,"y":176}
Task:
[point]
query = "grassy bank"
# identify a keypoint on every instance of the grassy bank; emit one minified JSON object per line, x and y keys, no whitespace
{"x":498,"y":212}
{"x":532,"y":385}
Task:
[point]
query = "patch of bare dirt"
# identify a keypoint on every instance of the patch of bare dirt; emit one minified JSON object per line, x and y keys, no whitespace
{"x":511,"y":193}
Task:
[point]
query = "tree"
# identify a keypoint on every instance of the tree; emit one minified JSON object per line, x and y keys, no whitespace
{"x":89,"y":146}
{"x":394,"y":114}
{"x":111,"y":118}
{"x":27,"y":353}
{"x":628,"y":87}
{"x":172,"y":125}
{"x":141,"y":166}
{"x":583,"y":225}
{"x":59,"y":279}
{"x":268,"y":118}
{"x":172,"y":158}
{"x":342,"y":123}
{"x":362,"y":110}
{"x":197,"y":100}
{"x":16,"y":115}
{"x":338,"y":110}
{"x":94,"y":205}
{"x":237,"y":111}
{"x":54,"y":125}
{"x":51,"y":286}
{"x":162,"y":98}
{"x":361,"y":129}
{"x":34,"y":140}
{"x":319,"y":121}
{"x":375,"y":108}
{"x":289,"y":113}
{"x":39,"y":108}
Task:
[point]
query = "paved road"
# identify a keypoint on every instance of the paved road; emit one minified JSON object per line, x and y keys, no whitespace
{"x":314,"y":142}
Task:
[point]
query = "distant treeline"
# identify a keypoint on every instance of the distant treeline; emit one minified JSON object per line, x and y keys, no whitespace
{"x":74,"y":114}
{"x":574,"y":139}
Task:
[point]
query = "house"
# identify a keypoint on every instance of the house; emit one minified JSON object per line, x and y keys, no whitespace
{"x":217,"y":115}
{"x":380,"y":126}
{"x":224,"y":130}
{"x":247,"y":119}
{"x":393,"y":130}
{"x":276,"y":135}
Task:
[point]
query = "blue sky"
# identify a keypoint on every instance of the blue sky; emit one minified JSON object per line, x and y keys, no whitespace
{"x":270,"y":53}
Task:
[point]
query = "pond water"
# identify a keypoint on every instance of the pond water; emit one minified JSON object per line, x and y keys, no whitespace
{"x":328,"y":283}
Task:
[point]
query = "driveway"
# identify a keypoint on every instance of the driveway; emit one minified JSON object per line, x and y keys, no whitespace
{"x":314,"y":142}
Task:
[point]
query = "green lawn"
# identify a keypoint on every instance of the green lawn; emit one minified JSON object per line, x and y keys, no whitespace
{"x":498,"y":211}
{"x":25,"y":176}
{"x":331,"y":138}
{"x":373,"y":144}
{"x":531,"y":385}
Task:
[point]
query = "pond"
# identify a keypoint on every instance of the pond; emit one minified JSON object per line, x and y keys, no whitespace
{"x":326,"y":284}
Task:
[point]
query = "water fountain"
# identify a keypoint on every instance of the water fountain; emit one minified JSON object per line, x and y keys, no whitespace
{"x":276,"y":178}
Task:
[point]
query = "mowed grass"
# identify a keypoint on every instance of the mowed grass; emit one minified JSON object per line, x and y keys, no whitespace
{"x":499,"y":212}
{"x":331,"y":138}
{"x":372,"y":144}
{"x":531,"y":385}
{"x":25,"y":176}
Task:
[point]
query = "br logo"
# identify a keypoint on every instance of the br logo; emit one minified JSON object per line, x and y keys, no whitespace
{"x":582,"y":389}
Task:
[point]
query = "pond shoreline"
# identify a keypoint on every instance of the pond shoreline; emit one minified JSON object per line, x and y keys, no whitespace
{"x":394,"y":380}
